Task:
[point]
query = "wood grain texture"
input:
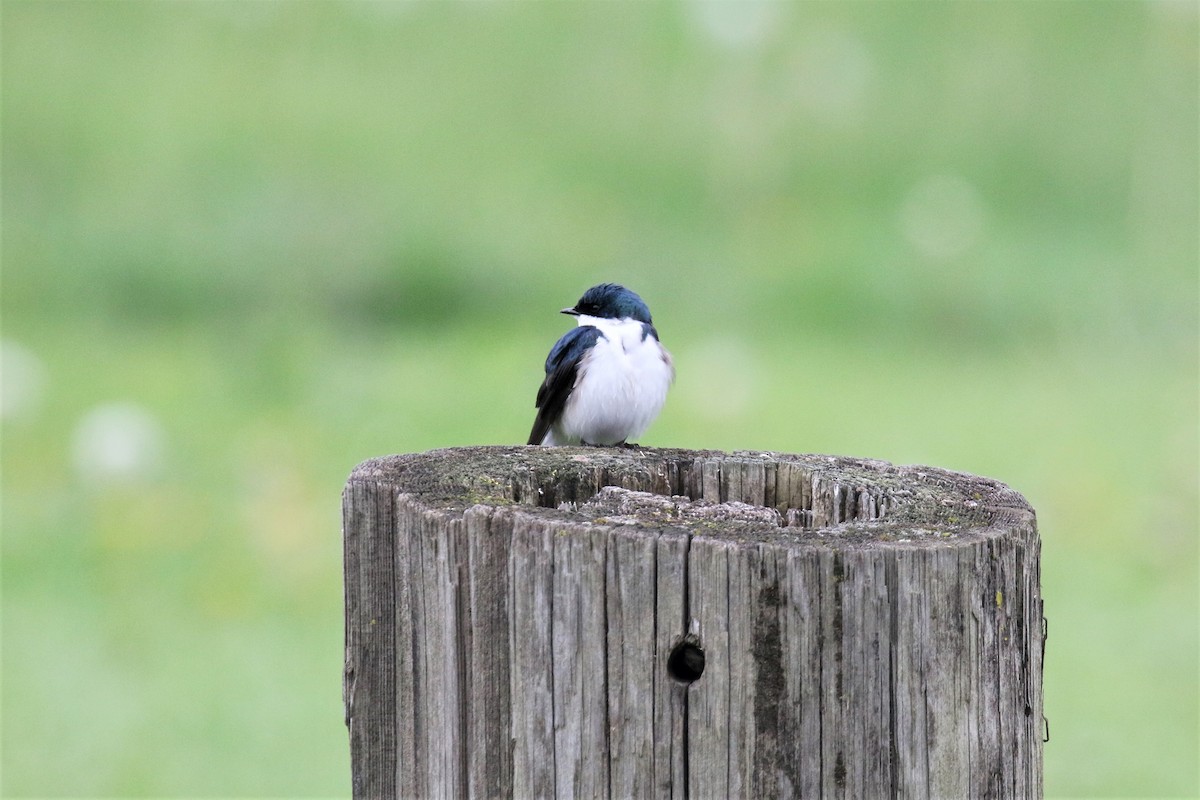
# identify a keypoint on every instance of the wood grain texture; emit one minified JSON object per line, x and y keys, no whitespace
{"x":867,"y":630}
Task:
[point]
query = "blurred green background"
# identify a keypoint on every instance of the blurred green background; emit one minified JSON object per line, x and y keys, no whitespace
{"x":248,"y":245}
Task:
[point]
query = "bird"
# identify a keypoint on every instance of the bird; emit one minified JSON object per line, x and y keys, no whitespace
{"x":607,"y":379}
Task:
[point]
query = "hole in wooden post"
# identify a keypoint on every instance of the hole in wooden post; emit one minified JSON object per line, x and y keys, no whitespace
{"x":686,"y":662}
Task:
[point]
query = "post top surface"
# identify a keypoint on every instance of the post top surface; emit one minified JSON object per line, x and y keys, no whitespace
{"x":744,"y":496}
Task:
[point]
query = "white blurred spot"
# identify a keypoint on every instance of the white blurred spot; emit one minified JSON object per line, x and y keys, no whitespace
{"x":942,"y":216}
{"x":1184,"y":10}
{"x":118,"y":442}
{"x":832,"y":71}
{"x":22,"y":377}
{"x":735,"y":24}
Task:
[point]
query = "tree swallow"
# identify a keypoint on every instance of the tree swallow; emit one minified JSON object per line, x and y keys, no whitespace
{"x":607,"y":379}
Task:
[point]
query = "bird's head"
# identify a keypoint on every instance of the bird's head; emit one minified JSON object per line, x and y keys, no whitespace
{"x":610,"y":301}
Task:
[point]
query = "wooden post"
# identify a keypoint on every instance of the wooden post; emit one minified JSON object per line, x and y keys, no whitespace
{"x":606,"y":622}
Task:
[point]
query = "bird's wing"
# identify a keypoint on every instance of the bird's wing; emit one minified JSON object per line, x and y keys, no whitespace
{"x":562,"y":367}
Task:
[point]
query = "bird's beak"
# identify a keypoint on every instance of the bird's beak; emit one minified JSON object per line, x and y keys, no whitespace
{"x":570,"y":311}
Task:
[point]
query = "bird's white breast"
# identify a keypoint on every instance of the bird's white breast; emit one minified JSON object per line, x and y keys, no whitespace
{"x":620,"y":387}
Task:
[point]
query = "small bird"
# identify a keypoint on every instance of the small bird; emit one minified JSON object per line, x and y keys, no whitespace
{"x":607,"y":379}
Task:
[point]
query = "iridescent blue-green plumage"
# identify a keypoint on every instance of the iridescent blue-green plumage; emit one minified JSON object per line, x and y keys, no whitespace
{"x":611,"y":301}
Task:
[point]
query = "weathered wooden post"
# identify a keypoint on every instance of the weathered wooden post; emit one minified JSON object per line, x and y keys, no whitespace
{"x":720,"y":625}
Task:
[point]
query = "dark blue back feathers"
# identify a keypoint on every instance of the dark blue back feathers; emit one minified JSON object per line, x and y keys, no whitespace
{"x":561,"y":367}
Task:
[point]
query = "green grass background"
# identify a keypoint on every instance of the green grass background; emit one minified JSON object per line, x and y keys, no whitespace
{"x":292,"y":236}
